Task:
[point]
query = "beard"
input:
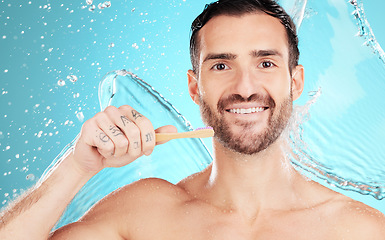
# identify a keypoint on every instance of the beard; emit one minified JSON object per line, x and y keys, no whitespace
{"x":246,"y":141}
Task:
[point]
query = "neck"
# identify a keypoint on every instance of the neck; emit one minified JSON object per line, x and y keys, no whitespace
{"x":265,"y":180}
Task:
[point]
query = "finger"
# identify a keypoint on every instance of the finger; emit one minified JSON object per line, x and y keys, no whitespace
{"x":95,"y":137}
{"x":147,"y":133}
{"x":129,"y":128}
{"x":104,"y":144}
{"x":114,"y":133}
{"x":132,"y":133}
{"x":165,"y":129}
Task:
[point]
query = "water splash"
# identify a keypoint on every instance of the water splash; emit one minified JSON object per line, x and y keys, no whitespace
{"x":296,"y":9}
{"x":302,"y":157}
{"x":119,"y":88}
{"x":341,"y":144}
{"x":298,"y":12}
{"x":364,"y":29}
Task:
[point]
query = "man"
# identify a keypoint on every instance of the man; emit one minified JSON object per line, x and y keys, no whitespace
{"x":245,"y":77}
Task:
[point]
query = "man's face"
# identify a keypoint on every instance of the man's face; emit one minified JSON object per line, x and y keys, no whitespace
{"x":244,"y":85}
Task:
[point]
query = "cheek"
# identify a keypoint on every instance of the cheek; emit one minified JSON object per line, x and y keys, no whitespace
{"x":213,"y":86}
{"x":209,"y":91}
{"x":282,"y":87}
{"x":209,"y":98}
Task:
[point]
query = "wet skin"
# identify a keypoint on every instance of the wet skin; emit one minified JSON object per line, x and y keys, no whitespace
{"x":258,"y":196}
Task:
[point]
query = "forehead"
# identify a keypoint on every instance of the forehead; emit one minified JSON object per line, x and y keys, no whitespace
{"x":237,"y":34}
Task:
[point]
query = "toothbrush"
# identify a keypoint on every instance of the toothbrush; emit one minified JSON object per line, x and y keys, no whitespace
{"x":198,"y":133}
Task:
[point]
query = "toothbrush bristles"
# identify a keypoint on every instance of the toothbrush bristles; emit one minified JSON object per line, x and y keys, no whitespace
{"x":201,"y":128}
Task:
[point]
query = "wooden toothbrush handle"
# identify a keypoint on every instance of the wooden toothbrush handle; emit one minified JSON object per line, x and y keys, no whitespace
{"x":202,"y":133}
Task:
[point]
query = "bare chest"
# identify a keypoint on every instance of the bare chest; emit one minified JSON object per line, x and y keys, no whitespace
{"x":211,"y":225}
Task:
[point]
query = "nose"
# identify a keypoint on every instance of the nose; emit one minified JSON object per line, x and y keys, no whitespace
{"x":245,"y":83}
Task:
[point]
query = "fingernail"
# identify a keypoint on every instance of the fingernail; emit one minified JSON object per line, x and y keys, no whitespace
{"x":147,"y":153}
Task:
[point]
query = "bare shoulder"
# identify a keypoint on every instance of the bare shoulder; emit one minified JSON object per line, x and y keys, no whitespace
{"x":131,"y":207}
{"x":357,"y":220}
{"x":149,"y":186}
{"x":148,"y":207}
{"x":142,"y":195}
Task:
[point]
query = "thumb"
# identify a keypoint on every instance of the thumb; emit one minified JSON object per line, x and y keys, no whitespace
{"x":166,"y":129}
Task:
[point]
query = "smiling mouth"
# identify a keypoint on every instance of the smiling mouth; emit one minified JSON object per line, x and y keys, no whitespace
{"x":246,"y":110}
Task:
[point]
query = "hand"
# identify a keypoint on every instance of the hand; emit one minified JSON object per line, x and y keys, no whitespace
{"x":115,"y":138}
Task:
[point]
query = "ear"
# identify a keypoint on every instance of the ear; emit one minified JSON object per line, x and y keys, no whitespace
{"x":298,"y":80}
{"x":193,"y":86}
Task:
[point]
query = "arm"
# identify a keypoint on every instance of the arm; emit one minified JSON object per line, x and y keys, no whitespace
{"x":112,"y":138}
{"x":36,"y":213}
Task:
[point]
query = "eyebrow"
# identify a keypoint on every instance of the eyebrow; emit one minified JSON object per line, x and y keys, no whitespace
{"x":265,"y":53}
{"x":254,"y":53}
{"x":226,"y":56}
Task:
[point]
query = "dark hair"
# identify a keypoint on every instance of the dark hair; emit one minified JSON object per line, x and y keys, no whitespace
{"x":240,"y":7}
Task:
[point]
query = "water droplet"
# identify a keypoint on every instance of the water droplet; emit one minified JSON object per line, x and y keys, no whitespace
{"x":80,"y":116}
{"x":39,"y":134}
{"x":92,"y":8}
{"x":111,"y":45}
{"x":61,"y":83}
{"x":30,"y":177}
{"x":107,"y":4}
{"x":72,"y":78}
{"x":89,"y":2}
{"x":101,"y":5}
{"x":135,"y":46}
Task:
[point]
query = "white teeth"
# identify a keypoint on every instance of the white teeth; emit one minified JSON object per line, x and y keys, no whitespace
{"x":246,"y":110}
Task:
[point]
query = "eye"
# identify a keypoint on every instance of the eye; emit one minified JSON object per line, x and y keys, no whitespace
{"x":266,"y":64}
{"x":220,"y":67}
